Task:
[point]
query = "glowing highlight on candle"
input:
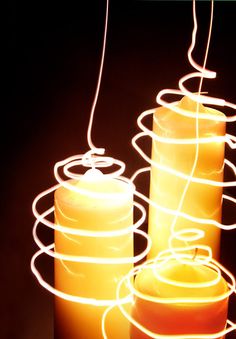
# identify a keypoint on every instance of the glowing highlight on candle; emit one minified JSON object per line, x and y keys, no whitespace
{"x":94,"y":160}
{"x":196,"y":255}
{"x":155,"y":265}
{"x":113,"y":266}
{"x":49,"y":249}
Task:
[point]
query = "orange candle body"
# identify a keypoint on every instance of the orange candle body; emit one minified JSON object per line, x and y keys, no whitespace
{"x":91,"y":280}
{"x":179,"y":318}
{"x":201,"y":200}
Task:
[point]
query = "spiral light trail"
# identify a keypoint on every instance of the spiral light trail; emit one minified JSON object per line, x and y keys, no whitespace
{"x":94,"y":161}
{"x":187,"y":254}
{"x":49,"y":250}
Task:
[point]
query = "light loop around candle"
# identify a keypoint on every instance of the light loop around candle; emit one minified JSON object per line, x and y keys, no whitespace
{"x":95,"y":159}
{"x":43,"y":219}
{"x":187,"y":254}
{"x":153,"y":264}
{"x":227,"y":138}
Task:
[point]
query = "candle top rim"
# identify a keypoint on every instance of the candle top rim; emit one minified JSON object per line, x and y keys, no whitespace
{"x":110,"y":190}
{"x":163,"y":114}
{"x":148,"y":284}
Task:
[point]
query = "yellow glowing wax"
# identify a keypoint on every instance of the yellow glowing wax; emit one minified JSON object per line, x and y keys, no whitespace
{"x":181,"y":317}
{"x":92,"y":280}
{"x":166,"y":189}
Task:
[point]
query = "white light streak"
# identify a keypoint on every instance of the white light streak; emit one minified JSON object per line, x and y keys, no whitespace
{"x":188,"y":254}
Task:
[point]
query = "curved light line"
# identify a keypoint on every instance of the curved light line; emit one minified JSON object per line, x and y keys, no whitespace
{"x":40,"y":218}
{"x":129,"y":284}
{"x":179,"y":173}
{"x":65,"y":296}
{"x":178,"y":300}
{"x":89,"y":131}
{"x":94,"y":260}
{"x":188,"y":216}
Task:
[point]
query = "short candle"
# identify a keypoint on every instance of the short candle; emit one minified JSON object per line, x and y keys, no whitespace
{"x":185,"y":318}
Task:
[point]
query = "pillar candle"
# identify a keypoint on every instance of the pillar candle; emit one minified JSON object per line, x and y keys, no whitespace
{"x":91,"y":280}
{"x":201,"y":200}
{"x":179,"y":318}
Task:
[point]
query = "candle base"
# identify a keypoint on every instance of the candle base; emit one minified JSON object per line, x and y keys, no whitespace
{"x":79,"y":321}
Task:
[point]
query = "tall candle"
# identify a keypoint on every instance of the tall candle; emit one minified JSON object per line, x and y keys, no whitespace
{"x":183,"y":318}
{"x":113,"y":210}
{"x":166,"y":189}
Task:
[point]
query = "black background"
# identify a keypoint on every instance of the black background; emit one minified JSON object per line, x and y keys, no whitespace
{"x":52,"y":61}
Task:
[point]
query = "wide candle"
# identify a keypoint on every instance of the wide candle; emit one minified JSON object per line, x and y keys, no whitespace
{"x":201,"y":200}
{"x":113,"y":210}
{"x":179,"y":318}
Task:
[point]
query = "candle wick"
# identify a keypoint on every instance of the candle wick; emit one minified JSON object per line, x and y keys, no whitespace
{"x":195,"y":253}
